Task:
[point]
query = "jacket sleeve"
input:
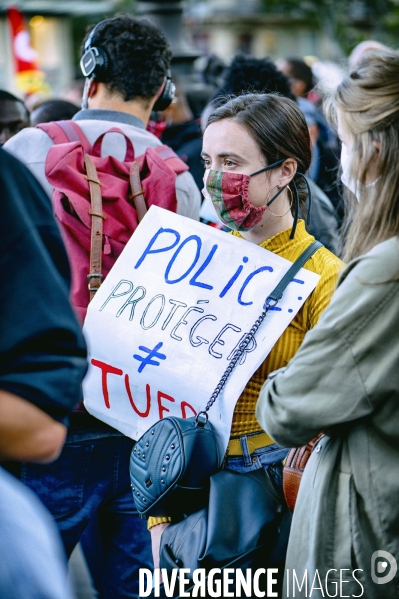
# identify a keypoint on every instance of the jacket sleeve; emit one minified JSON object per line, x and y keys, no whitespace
{"x":42,"y":350}
{"x":320,"y":388}
{"x":333,"y":380}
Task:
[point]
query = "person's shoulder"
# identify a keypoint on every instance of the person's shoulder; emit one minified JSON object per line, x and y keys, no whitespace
{"x":367,"y":290}
{"x":387,"y":250}
{"x":27,"y":135}
{"x":29,"y":145}
{"x":132,"y":128}
{"x":323,"y":261}
{"x":379,"y":265}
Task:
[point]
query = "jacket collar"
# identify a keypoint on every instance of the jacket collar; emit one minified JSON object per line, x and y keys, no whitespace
{"x":115,"y":116}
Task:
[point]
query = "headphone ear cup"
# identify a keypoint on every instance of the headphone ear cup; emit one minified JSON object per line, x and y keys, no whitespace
{"x":95,"y":63}
{"x":102,"y":64}
{"x":165,"y":99}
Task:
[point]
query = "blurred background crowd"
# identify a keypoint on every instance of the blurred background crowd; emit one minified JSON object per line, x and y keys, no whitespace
{"x":220,"y":48}
{"x":323,"y":31}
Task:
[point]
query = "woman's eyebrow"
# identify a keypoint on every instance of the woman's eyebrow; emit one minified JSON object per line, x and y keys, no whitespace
{"x":230,"y":155}
{"x":225,"y":155}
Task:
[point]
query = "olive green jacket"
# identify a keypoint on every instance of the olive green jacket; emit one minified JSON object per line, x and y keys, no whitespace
{"x":345,"y":380}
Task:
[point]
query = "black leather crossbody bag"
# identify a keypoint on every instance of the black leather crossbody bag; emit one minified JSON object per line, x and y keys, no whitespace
{"x":171,"y":464}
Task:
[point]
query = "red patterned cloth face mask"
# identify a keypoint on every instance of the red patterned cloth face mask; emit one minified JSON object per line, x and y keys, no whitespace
{"x":229,"y":194}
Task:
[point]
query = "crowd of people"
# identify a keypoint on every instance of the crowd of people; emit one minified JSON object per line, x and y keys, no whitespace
{"x":279,"y":166}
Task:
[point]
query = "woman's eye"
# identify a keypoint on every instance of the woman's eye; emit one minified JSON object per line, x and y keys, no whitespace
{"x":229,"y":163}
{"x":206,"y":162}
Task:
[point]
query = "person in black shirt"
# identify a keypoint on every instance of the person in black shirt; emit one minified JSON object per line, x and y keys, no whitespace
{"x":42,"y":363}
{"x":42,"y":350}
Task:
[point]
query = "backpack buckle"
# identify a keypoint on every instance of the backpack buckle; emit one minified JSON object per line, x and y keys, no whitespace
{"x":94,"y":275}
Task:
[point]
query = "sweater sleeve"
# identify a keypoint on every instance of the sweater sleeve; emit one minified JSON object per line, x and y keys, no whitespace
{"x":321,"y":297}
{"x":152,"y":521}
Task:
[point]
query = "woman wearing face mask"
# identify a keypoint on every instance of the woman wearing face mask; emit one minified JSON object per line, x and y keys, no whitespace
{"x":345,"y":377}
{"x":255,"y":149}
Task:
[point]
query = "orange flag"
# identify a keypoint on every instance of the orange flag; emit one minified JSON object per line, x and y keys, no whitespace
{"x":29,"y":78}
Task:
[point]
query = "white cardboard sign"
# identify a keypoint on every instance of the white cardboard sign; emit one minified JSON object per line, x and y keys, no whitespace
{"x":164,"y":325}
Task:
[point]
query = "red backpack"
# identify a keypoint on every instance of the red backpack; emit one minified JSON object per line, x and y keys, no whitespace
{"x":99,"y":201}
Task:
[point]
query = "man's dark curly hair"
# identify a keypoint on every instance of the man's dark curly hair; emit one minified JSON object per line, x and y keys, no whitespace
{"x":254,"y":75}
{"x":138,"y":52}
{"x":300,"y":70}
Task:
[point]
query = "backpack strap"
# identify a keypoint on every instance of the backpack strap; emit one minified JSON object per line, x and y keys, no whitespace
{"x":97,"y":217}
{"x":171,"y":158}
{"x":61,"y":132}
{"x":137,"y":194}
{"x":129,"y":156}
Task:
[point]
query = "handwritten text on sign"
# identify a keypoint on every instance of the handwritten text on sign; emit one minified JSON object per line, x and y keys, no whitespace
{"x":166,"y":322}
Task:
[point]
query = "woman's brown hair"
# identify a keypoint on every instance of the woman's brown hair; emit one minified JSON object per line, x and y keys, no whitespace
{"x":278,"y":127}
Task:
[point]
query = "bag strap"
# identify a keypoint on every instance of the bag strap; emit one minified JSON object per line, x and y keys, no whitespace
{"x":278,"y":291}
{"x":271,"y":301}
{"x":95,"y":277}
{"x":172,"y":159}
{"x":61,"y":132}
{"x":165,"y":152}
{"x":137,"y":194}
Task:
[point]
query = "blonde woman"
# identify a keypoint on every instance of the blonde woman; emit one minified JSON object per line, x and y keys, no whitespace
{"x":345,"y":377}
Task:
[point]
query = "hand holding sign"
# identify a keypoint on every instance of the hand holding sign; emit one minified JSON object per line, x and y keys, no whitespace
{"x":167,"y":320}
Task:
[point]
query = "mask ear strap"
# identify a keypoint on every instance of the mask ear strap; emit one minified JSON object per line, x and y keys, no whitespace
{"x":296,"y":211}
{"x":275,"y":196}
{"x":267,"y":168}
{"x":309,"y":197}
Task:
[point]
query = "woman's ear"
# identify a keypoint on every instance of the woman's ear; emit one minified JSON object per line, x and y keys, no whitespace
{"x":288,"y":170}
{"x":377,"y":146}
{"x":372,"y":168}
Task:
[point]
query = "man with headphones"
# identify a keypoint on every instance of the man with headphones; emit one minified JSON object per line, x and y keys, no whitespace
{"x":126,"y":63}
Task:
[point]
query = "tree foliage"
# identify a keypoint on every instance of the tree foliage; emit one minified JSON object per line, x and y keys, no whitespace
{"x":349,"y":21}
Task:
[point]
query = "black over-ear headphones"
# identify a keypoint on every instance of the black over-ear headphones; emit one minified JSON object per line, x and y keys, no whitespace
{"x":95,"y":63}
{"x":167,"y":95}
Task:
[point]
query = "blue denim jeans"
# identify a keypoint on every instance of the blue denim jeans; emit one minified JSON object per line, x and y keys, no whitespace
{"x":90,"y":482}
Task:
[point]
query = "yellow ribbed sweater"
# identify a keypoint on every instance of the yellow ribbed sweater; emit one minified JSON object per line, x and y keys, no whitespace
{"x":324,"y":263}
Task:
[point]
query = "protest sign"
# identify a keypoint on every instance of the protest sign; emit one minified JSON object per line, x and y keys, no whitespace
{"x":165,"y":323}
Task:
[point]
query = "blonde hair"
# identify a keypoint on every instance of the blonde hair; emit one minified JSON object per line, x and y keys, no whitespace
{"x":367,"y":101}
